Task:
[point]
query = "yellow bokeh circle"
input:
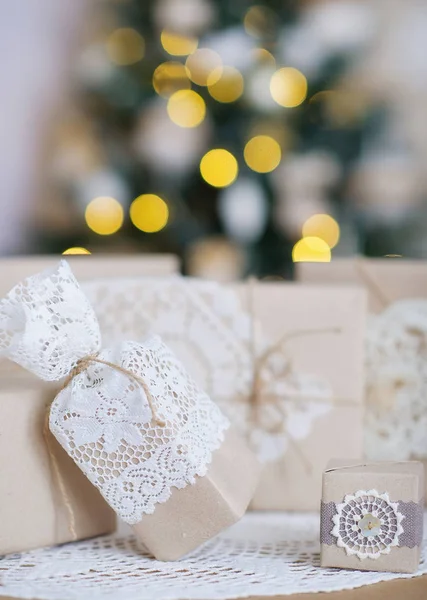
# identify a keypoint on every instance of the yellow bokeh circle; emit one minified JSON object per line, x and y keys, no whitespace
{"x":311,"y":249}
{"x":204,"y":66}
{"x":186,"y":108}
{"x":324,"y":227}
{"x":104,"y":215}
{"x":262,"y":154}
{"x":229,"y":87}
{"x":219,"y":167}
{"x":169,"y":77}
{"x":177,"y":44}
{"x":149,"y":213}
{"x":288,"y":87}
{"x":76,"y":250}
{"x":125,"y":46}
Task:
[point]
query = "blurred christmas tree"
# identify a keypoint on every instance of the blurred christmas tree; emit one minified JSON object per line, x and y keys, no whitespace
{"x":223,"y":131}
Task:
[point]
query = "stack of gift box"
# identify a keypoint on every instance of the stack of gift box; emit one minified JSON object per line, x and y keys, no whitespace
{"x":303,"y":373}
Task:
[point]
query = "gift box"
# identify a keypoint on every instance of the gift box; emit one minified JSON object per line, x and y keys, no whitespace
{"x":143,"y":432}
{"x":305,"y":402}
{"x":396,"y":350}
{"x":284,"y":362}
{"x":372,"y":515}
{"x":44,"y":498}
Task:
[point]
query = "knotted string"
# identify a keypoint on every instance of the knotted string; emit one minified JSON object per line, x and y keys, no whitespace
{"x":258,"y":396}
{"x":82,"y":365}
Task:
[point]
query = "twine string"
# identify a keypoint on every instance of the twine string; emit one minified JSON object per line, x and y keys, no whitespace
{"x":258,"y":395}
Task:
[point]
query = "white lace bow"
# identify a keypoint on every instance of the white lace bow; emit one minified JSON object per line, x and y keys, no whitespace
{"x":103,"y":417}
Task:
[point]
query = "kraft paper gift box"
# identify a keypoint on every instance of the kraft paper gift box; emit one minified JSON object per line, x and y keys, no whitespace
{"x":32,"y":510}
{"x":160,"y":451}
{"x":308,"y":346}
{"x":372,"y":515}
{"x":396,"y":350}
{"x":38,"y":506}
{"x":317,"y":403}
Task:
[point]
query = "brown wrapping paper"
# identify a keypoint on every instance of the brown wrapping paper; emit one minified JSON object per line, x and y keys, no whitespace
{"x":386,"y":280}
{"x":198,"y":512}
{"x":33,"y":512}
{"x":403,"y":482}
{"x":293,"y":482}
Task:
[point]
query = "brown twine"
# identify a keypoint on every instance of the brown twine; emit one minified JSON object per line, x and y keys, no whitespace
{"x":81,"y":366}
{"x":84,"y":363}
{"x":258,"y":396}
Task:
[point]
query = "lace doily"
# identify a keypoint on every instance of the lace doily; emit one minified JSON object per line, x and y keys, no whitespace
{"x":103,"y":418}
{"x":367,"y":524}
{"x":205,"y":324}
{"x":262,"y":555}
{"x":396,"y":382}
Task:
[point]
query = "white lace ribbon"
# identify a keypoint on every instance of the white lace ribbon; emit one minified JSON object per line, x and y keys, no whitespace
{"x":396,"y":382}
{"x":103,"y":417}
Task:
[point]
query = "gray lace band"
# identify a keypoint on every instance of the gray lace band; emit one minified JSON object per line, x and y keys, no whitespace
{"x":412,"y":523}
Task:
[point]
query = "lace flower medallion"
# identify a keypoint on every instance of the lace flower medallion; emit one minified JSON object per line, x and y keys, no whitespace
{"x":367,"y":524}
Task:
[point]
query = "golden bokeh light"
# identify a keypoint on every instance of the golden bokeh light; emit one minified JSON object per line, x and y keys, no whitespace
{"x":264,"y":57}
{"x":169,"y":77}
{"x":204,"y":66}
{"x":186,"y":108}
{"x":104,"y":215}
{"x":324,"y":227}
{"x":76,"y":250}
{"x":262,"y":154}
{"x":259,"y":21}
{"x":177,"y":44}
{"x":311,"y":249}
{"x":125,"y":46}
{"x":219,"y":167}
{"x":288,"y":87}
{"x":229,"y":87}
{"x":149,"y":213}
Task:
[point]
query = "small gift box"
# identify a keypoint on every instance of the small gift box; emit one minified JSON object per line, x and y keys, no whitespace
{"x":396,"y":350}
{"x":372,"y":515}
{"x":154,"y":444}
{"x":44,"y":498}
{"x":267,"y":353}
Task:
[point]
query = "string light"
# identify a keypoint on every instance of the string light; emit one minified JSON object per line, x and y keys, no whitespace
{"x":288,"y":87}
{"x":169,"y":77}
{"x":125,"y":46}
{"x":311,"y":249}
{"x":204,"y":66}
{"x":262,"y":154}
{"x":229,"y":87}
{"x":219,"y":167}
{"x":186,"y":108}
{"x":264,"y":57}
{"x":177,"y":44}
{"x":104,"y":215}
{"x":149,"y":213}
{"x":76,"y":250}
{"x":324,"y":227}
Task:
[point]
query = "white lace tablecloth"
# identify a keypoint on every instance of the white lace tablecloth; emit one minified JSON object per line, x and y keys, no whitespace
{"x":263,"y":555}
